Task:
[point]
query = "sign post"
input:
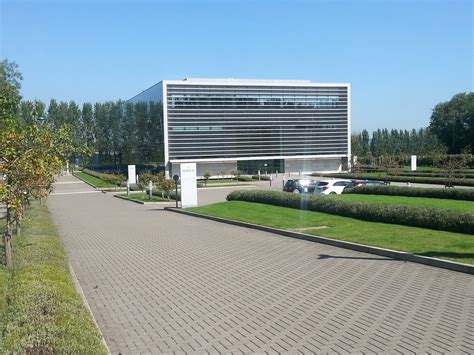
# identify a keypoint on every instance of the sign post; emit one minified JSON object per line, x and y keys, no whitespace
{"x":188,"y":184}
{"x":132,"y":176}
{"x":413,"y":163}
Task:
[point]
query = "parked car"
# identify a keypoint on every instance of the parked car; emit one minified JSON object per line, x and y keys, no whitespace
{"x":368,"y":183}
{"x":300,"y":186}
{"x":332,"y":186}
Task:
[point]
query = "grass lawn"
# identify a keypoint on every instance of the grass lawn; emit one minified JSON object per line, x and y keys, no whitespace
{"x":439,"y":244}
{"x":44,"y":313}
{"x":465,"y":206}
{"x":145,"y":198}
{"x":92,"y":180}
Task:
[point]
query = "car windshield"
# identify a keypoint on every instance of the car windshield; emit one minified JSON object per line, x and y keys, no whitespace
{"x":322,"y":183}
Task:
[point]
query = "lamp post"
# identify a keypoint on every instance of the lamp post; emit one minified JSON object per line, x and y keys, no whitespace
{"x":454,"y":125}
{"x":176,"y":179}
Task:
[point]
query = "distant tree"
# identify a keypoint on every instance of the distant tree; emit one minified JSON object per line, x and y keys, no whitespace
{"x":365,"y":143}
{"x":453,"y":122}
{"x":207,"y":175}
{"x":10,"y":84}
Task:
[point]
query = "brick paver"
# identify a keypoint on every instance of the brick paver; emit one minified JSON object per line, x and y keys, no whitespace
{"x":162,"y":282}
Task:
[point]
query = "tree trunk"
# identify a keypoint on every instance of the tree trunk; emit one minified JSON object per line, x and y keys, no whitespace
{"x":7,"y":240}
{"x":18,"y":227}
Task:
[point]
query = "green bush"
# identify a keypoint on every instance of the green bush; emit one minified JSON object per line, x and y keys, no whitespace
{"x":438,"y":174}
{"x":450,"y":194}
{"x":94,"y":173}
{"x":262,"y":177}
{"x":415,"y":216}
{"x":244,"y":178}
{"x":412,"y":179}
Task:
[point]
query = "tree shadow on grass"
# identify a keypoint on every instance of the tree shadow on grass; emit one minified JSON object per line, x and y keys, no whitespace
{"x":439,"y":254}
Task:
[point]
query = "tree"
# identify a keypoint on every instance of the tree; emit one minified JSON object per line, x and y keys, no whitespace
{"x":453,"y":122}
{"x":207,"y":175}
{"x":10,"y":84}
{"x":365,"y":143}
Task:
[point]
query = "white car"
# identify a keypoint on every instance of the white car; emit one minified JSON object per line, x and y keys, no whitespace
{"x":332,"y":186}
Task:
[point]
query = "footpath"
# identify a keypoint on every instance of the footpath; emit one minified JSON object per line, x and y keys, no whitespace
{"x":158,"y":281}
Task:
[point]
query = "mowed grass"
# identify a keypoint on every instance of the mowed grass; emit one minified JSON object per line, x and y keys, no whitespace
{"x":43,"y":313}
{"x":92,"y":180}
{"x":439,"y":244}
{"x":465,"y":206}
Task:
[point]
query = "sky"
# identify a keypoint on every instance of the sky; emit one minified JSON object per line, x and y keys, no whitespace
{"x":402,"y":57}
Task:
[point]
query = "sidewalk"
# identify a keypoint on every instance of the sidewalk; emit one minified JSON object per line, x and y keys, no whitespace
{"x":161,"y":282}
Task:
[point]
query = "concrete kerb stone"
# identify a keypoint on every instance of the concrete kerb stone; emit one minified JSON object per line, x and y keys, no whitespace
{"x":86,"y":304}
{"x":444,"y":264}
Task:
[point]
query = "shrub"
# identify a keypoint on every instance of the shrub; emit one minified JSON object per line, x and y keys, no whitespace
{"x":94,"y":173}
{"x":415,"y":216}
{"x":450,"y":194}
{"x":262,"y":177}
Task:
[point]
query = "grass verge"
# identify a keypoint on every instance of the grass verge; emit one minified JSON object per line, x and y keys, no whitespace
{"x":467,"y":206}
{"x":44,"y":313}
{"x":446,"y":245}
{"x":145,"y":198}
{"x":92,"y":180}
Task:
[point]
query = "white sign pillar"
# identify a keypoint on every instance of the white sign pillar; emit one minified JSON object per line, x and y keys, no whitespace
{"x":132,"y":176}
{"x":413,"y":162}
{"x":188,"y":184}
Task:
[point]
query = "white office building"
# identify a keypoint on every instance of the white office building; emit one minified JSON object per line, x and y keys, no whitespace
{"x":220,"y":124}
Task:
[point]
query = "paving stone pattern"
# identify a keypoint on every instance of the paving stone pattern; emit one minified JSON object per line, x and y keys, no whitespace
{"x":162,"y":282}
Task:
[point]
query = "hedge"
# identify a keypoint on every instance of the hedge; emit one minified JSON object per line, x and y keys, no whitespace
{"x":415,"y":216}
{"x":397,"y":178}
{"x":262,"y":177}
{"x":450,"y":194}
{"x":438,"y":174}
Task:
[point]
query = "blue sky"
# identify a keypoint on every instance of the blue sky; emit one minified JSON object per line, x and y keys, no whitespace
{"x":401,"y":57}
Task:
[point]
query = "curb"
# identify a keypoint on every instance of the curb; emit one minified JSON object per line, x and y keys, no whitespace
{"x":143,"y":202}
{"x":86,"y":304}
{"x":440,"y":263}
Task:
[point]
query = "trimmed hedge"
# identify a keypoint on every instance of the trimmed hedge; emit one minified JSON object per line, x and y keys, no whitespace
{"x":94,"y":173}
{"x":415,"y":216}
{"x":428,"y":174}
{"x":412,"y":179}
{"x":450,"y":194}
{"x":262,"y":177}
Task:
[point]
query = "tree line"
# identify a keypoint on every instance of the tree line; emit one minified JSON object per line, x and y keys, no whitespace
{"x":451,"y":131}
{"x":116,"y":133}
{"x":384,"y":142}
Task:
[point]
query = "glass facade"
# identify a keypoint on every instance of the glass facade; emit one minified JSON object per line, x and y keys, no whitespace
{"x":231,"y":119}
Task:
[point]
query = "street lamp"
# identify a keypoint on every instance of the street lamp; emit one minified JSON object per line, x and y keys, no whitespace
{"x":454,"y":124}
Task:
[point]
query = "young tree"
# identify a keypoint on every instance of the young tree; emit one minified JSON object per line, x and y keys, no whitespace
{"x":207,"y":175}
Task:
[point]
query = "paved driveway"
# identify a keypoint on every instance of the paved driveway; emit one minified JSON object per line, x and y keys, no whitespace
{"x":160,"y":282}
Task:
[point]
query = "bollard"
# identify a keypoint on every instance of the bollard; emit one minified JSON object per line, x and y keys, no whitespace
{"x":128,"y":187}
{"x":150,"y":190}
